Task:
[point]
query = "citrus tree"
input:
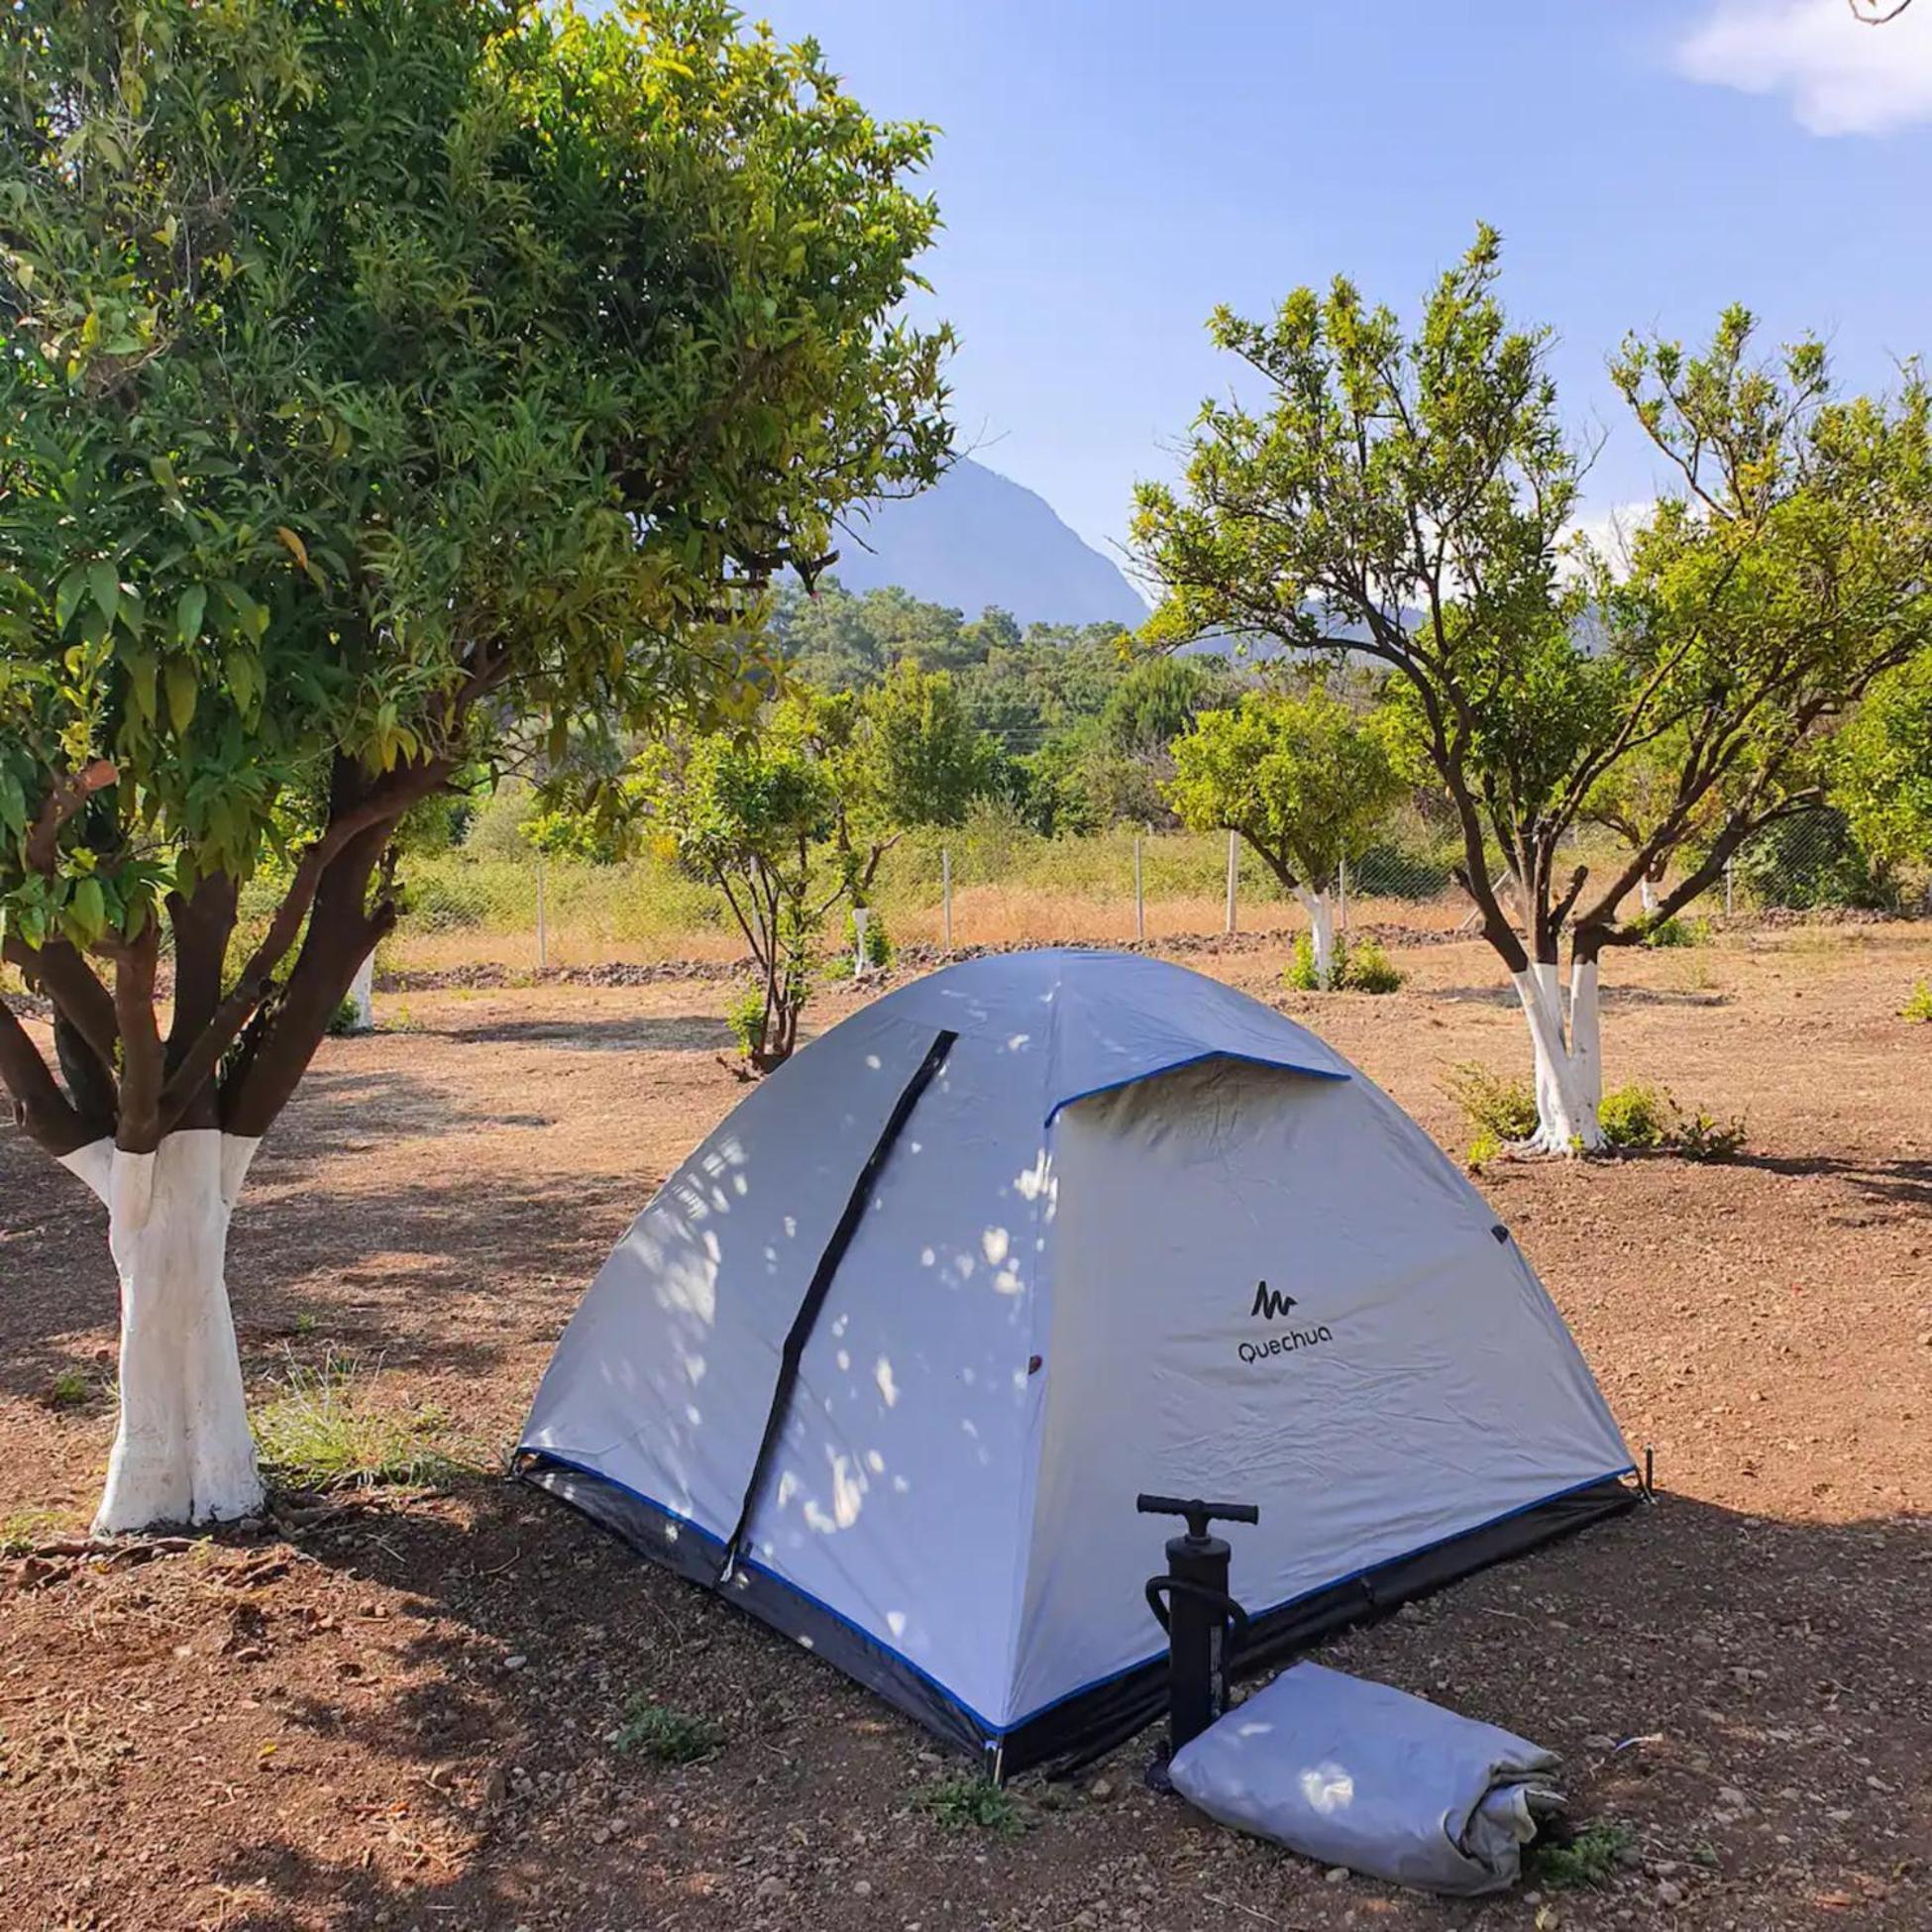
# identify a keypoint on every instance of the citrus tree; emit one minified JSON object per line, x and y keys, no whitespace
{"x":378,"y":379}
{"x":1406,"y":493}
{"x":1303,"y":779}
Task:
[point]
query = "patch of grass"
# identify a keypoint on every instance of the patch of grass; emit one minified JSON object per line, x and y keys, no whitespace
{"x":1919,"y":1004}
{"x":1581,"y":1863}
{"x":324,"y":1432}
{"x":1635,"y":1117}
{"x":70,"y":1389}
{"x":1499,"y":1108}
{"x":666,"y":1736}
{"x":28,"y":1529}
{"x":967,"y":1802}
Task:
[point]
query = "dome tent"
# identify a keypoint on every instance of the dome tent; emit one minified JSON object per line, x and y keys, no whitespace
{"x":889,"y":1357}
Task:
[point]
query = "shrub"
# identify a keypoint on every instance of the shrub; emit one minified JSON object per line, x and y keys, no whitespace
{"x":1504,"y":1110}
{"x":966,"y":1800}
{"x":745,"y":1015}
{"x":341,"y":1021}
{"x":666,"y":1736}
{"x":1699,"y":1136}
{"x":1635,"y":1117}
{"x":1919,"y":1006}
{"x":879,"y":948}
{"x":1484,"y":1149}
{"x":1371,"y":968}
{"x":1676,"y":932}
{"x":1359,"y":966}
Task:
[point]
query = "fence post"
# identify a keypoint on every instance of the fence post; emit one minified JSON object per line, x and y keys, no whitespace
{"x":1140,"y":895}
{"x":945,"y":898}
{"x":1234,"y":863}
{"x":1727,"y":889}
{"x":543,"y":937}
{"x":1342,"y":895}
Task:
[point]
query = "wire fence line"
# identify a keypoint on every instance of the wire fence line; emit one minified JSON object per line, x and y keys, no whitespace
{"x":996,"y":885}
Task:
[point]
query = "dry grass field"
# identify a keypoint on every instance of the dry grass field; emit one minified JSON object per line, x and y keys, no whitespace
{"x":396,"y":1707}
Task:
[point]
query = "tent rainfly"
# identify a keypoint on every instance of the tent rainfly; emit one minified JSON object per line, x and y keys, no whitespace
{"x":888,"y":1358}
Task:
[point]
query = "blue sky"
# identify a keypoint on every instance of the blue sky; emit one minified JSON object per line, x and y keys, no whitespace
{"x":1109,"y":171}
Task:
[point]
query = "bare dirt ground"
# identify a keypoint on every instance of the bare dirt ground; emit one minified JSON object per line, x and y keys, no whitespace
{"x":397,"y":1717}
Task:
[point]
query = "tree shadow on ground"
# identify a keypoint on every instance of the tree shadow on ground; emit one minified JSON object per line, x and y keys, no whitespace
{"x":1705,"y":1644}
{"x":1612,"y":995}
{"x":1903,"y":1183}
{"x":443,"y":1262}
{"x":614,"y":1034}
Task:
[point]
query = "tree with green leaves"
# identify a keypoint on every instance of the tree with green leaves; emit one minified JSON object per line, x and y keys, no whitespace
{"x":1406,"y":495}
{"x":757,"y":813}
{"x":1881,"y":774}
{"x":920,"y":760}
{"x":1303,"y":779}
{"x":379,"y":379}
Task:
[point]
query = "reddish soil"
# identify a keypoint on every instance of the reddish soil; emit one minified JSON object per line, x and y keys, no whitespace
{"x":397,"y":1716}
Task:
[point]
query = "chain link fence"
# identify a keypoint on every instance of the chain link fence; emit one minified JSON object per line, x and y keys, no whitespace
{"x":995,"y":883}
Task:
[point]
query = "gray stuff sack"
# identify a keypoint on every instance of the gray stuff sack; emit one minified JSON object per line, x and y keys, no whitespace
{"x":1361,"y":1775}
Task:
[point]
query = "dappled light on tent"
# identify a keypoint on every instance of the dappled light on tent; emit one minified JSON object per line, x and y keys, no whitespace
{"x":982,"y":1263}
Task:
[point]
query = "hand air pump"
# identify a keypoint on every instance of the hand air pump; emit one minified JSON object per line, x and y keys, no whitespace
{"x":1205,"y":1626}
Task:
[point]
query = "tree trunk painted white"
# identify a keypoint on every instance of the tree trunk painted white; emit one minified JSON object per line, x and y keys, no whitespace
{"x":182,"y":1452}
{"x":1320,"y":908}
{"x":1566,"y":1119}
{"x":1585,"y":1034}
{"x":362,"y":994}
{"x":1647,"y":894}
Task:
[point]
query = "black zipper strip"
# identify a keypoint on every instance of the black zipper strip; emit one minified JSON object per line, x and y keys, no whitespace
{"x":806,"y":1319}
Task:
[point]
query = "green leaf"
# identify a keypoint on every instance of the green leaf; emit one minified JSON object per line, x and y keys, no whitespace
{"x":105,"y":582}
{"x":87,"y":911}
{"x":182,"y":691}
{"x":188,"y":612}
{"x":67,"y":597}
{"x":141,"y":669}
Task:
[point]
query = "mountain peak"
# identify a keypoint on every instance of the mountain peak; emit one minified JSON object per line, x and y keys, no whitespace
{"x":977,"y":538}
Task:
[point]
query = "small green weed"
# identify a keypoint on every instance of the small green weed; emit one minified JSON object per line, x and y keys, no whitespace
{"x":745,"y":1015}
{"x":305,"y":1323}
{"x":1635,"y":1117}
{"x":341,"y":1021}
{"x":1701,"y":1137}
{"x":968,"y":1803}
{"x":69,"y":1389}
{"x":1501,"y":1109}
{"x":27,"y":1529}
{"x":1484,"y":1149}
{"x":323,"y":1432}
{"x":1582,"y":1863}
{"x":1919,"y":1005}
{"x":1676,"y":932}
{"x":666,"y":1736}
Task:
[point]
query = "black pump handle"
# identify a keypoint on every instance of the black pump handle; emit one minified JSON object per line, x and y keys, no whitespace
{"x":1199,"y":1514}
{"x":1232,"y":1613}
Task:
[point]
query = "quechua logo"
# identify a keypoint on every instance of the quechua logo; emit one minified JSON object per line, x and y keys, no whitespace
{"x":1270,"y":1305}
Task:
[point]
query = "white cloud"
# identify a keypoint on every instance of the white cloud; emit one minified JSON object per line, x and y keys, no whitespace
{"x":1840,"y":77}
{"x":1612,"y":530}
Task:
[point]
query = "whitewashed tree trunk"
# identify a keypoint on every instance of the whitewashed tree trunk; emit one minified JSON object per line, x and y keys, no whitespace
{"x":1566,"y":1104}
{"x":182,"y":1452}
{"x":1585,"y":1034}
{"x":362,"y":994}
{"x":1320,"y":908}
{"x":1647,"y":894}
